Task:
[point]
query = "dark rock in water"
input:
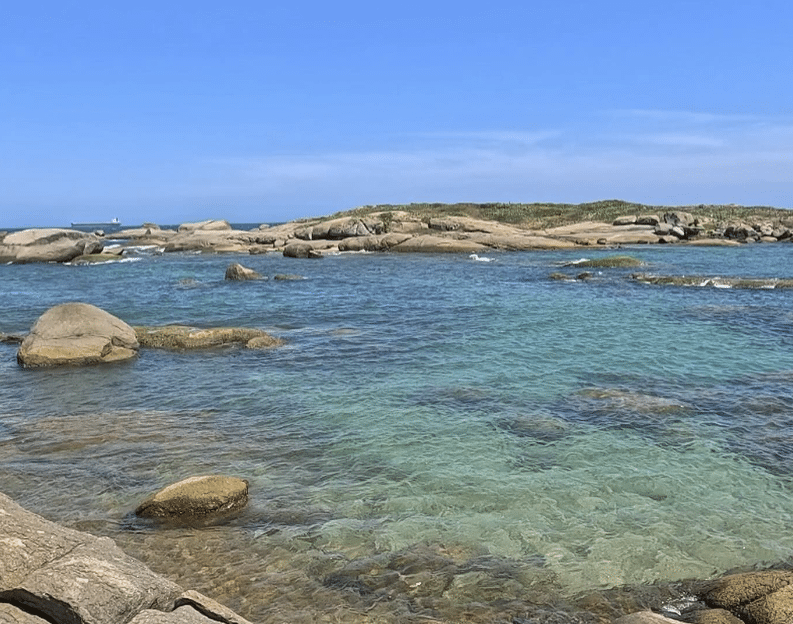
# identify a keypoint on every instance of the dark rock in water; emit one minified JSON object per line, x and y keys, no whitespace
{"x":287,"y":277}
{"x":11,"y":338}
{"x":538,"y":426}
{"x":607,"y":262}
{"x":77,"y":334}
{"x":240,"y":273}
{"x":196,"y":496}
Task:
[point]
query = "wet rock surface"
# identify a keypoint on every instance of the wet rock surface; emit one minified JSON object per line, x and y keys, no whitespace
{"x":50,"y":573}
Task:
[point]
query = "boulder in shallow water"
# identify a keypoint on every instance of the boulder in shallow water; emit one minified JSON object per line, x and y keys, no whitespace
{"x":196,"y":496}
{"x":186,"y":337}
{"x":77,"y":334}
{"x":237,"y":272}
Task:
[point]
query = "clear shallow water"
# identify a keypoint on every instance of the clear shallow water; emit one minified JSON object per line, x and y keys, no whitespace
{"x":437,"y":432}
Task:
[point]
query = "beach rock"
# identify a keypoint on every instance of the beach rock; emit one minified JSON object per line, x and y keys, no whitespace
{"x":644,"y":617}
{"x":209,"y":224}
{"x":435,"y":244}
{"x":625,"y":220}
{"x":47,"y":245}
{"x":77,"y":334}
{"x":186,"y":337}
{"x":237,"y":272}
{"x":374,"y":242}
{"x":648,"y":219}
{"x":209,"y":240}
{"x":49,"y":573}
{"x":773,"y":608}
{"x":11,"y":338}
{"x":735,"y":590}
{"x":714,"y":616}
{"x":287,"y":277}
{"x":69,"y":576}
{"x":196,"y":496}
{"x":301,"y":250}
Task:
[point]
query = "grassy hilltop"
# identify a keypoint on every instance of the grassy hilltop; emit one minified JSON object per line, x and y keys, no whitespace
{"x":542,"y":215}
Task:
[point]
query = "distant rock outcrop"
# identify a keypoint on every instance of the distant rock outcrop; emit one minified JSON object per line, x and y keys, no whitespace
{"x":47,"y":245}
{"x":77,"y":334}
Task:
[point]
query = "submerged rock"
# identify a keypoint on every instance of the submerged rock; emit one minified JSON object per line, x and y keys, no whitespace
{"x":77,"y":334}
{"x":645,"y":617}
{"x":607,"y":262}
{"x":186,"y":337}
{"x":196,"y":496}
{"x":713,"y":282}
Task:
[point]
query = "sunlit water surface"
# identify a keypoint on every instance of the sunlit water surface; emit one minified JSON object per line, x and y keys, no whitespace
{"x":439,"y":437}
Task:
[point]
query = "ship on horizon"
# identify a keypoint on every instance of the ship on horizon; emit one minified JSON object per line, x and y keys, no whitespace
{"x":112,"y":224}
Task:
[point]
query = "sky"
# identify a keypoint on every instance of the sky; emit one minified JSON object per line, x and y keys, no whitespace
{"x":266,"y":111}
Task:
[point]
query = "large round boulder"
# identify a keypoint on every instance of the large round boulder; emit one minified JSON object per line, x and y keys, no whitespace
{"x":77,"y":334}
{"x":196,"y":496}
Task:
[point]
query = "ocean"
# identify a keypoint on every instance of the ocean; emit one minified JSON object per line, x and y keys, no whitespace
{"x":440,"y":438}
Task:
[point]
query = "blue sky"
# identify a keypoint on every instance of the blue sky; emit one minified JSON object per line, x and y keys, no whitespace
{"x":267,"y":111}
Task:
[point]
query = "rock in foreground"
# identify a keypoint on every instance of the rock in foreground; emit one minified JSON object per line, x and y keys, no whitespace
{"x":196,"y":497}
{"x":77,"y":334}
{"x":49,"y":573}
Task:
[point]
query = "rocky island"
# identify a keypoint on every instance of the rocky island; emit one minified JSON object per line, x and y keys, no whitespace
{"x":426,"y":228}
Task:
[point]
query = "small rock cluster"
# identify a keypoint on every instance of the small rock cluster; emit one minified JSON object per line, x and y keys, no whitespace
{"x":81,"y":334}
{"x":750,"y":598}
{"x":683,"y":226}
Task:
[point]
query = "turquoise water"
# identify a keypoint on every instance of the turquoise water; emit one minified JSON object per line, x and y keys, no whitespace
{"x":588,"y":434}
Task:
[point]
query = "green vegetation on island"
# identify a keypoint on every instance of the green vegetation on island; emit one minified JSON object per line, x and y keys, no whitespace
{"x":548,"y":215}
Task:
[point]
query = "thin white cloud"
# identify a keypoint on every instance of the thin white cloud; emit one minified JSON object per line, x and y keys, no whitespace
{"x":703,"y":160}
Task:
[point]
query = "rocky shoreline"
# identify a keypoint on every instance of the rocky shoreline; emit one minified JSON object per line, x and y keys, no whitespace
{"x":389,"y":230}
{"x":49,"y":573}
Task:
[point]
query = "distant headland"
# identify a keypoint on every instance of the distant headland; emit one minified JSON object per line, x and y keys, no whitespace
{"x":425,"y":227}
